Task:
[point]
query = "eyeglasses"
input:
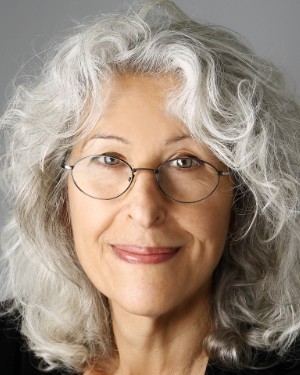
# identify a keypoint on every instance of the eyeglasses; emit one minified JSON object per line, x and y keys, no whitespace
{"x":183,"y":179}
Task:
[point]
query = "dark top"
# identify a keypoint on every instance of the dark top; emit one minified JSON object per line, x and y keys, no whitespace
{"x":16,"y":359}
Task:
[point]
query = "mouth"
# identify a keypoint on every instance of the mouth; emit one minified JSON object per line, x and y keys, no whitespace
{"x":144,"y":254}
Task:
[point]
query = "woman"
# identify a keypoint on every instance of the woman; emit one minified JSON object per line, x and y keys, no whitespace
{"x":153,"y":170}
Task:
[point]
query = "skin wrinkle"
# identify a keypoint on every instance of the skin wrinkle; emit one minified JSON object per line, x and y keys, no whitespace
{"x":191,"y":146}
{"x":253,"y":128}
{"x":155,"y":308}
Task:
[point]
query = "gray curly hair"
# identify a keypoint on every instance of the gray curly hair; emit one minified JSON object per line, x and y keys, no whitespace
{"x":232,"y":100}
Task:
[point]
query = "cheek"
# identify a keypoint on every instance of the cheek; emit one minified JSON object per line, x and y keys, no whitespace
{"x":207,"y":226}
{"x":209,"y":223}
{"x":89,"y":220}
{"x":209,"y":230}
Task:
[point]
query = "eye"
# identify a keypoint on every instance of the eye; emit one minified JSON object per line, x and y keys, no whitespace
{"x":105,"y":160}
{"x":110,"y":160}
{"x":185,"y":163}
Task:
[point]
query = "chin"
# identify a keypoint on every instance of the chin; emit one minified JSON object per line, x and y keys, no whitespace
{"x":145,"y":306}
{"x":154,"y":304}
{"x":153,"y":312}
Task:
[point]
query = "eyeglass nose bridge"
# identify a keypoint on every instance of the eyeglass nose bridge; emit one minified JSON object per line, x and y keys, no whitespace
{"x":135,"y":170}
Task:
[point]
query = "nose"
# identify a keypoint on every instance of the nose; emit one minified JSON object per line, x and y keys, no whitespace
{"x":147,"y":206}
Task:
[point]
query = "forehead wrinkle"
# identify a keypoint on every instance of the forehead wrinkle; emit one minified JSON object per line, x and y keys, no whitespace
{"x":106,"y":137}
{"x":177,"y":138}
{"x":167,"y":142}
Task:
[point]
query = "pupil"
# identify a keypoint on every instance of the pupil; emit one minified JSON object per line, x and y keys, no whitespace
{"x":110,"y":160}
{"x":184,"y":163}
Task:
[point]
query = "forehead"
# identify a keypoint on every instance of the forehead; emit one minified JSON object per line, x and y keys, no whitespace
{"x":148,"y":85}
{"x":138,"y":104}
{"x":139,"y":95}
{"x":135,"y":121}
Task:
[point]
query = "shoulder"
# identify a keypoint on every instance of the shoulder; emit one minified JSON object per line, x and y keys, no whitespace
{"x":266,"y":364}
{"x":15,"y":356}
{"x":16,"y":359}
{"x":285,"y":368}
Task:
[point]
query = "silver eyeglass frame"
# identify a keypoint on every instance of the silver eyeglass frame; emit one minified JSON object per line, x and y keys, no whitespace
{"x":220,"y":173}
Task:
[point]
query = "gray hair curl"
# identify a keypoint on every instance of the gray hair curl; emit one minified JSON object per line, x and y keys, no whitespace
{"x":232,"y":100}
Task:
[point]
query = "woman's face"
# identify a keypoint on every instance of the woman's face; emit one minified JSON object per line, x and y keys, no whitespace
{"x":145,"y":252}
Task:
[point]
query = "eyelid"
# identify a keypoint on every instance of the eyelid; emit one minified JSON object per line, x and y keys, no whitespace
{"x":185,"y":155}
{"x":113,"y":155}
{"x":179,"y":155}
{"x":197,"y":156}
{"x":175,"y":157}
{"x":98,"y":156}
{"x":194,"y":159}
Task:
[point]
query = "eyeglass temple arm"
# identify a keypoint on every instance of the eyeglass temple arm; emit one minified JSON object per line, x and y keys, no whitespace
{"x":66,"y":166}
{"x":225,"y":173}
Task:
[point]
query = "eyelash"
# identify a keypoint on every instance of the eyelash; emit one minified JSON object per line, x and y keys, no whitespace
{"x":180,"y":155}
{"x":114,"y":155}
{"x":185,"y":155}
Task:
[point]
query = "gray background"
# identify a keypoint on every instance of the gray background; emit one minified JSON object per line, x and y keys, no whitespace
{"x":271,"y":26}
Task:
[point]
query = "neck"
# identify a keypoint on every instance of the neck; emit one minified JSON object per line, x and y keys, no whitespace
{"x":167,"y":344}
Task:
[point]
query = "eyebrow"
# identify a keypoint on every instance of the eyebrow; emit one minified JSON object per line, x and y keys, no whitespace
{"x":168,"y":142}
{"x":177,"y":138}
{"x":108,"y":137}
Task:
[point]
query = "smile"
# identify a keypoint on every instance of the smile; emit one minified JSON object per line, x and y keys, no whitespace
{"x":144,"y":254}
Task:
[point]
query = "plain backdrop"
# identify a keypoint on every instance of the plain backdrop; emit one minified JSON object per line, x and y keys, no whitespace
{"x":26,"y":26}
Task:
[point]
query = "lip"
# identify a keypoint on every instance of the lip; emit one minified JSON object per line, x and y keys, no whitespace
{"x":144,"y":254}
